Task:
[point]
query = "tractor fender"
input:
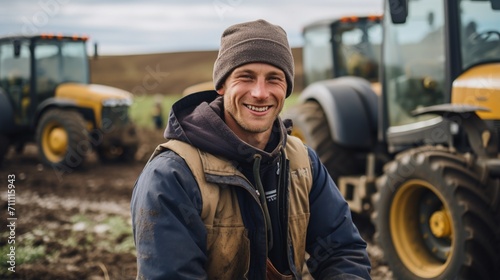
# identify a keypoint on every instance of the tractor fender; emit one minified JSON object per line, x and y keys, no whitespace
{"x":51,"y":103}
{"x":6,"y":114}
{"x":351,"y":108}
{"x":467,"y":117}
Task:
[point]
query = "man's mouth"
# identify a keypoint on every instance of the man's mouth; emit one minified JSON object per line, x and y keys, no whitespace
{"x":257,"y":109}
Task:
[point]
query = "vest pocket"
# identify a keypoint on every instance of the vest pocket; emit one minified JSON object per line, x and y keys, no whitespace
{"x":228,"y":250}
{"x":298,"y":232}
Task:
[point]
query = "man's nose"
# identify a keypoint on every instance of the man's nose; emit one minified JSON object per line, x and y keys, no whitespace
{"x":259,"y":90}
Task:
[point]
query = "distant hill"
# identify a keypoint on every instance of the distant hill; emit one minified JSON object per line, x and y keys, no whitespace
{"x":164,"y":73}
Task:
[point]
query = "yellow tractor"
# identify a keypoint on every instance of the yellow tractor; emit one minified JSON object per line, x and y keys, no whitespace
{"x":422,"y":159}
{"x":335,"y":50}
{"x":345,"y":46}
{"x":46,"y":97}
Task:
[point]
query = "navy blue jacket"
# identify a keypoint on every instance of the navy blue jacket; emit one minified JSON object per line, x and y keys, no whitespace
{"x":166,"y":202}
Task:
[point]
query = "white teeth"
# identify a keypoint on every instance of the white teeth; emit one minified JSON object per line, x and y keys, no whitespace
{"x":258,"y":109}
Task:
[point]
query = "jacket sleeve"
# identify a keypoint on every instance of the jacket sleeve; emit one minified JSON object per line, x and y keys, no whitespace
{"x":169,"y":234}
{"x":334,"y":244}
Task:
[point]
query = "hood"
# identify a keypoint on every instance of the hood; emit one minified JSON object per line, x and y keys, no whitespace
{"x":198,"y":119}
{"x":89,"y":93}
{"x":479,"y":86}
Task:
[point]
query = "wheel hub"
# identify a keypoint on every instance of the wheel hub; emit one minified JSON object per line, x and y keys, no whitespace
{"x":58,"y":140}
{"x":440,"y":224}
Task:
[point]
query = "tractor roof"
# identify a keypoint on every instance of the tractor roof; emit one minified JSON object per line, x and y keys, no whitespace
{"x":336,"y":20}
{"x":44,"y":36}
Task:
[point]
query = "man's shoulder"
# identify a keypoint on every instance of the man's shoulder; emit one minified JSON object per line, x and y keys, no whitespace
{"x":173,"y":149}
{"x":297,"y":149}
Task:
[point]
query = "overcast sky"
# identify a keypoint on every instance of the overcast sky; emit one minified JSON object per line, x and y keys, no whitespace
{"x":152,"y":26}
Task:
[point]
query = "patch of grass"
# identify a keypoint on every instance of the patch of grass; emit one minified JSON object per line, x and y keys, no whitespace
{"x":290,"y":101}
{"x":29,"y":253}
{"x":27,"y":250}
{"x":80,"y":218}
{"x":34,"y":245}
{"x":121,"y":238}
{"x":141,"y":112}
{"x":118,"y":226}
{"x":78,"y":240}
{"x":116,"y":237}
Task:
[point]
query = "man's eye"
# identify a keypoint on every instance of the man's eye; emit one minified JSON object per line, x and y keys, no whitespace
{"x":245,"y":77}
{"x":275,"y":78}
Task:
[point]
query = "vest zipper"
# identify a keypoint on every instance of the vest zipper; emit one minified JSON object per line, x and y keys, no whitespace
{"x":284,"y":209}
{"x":263,"y":203}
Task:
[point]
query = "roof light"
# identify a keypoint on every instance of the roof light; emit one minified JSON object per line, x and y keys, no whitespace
{"x":349,"y":19}
{"x":60,"y":36}
{"x":374,"y":18}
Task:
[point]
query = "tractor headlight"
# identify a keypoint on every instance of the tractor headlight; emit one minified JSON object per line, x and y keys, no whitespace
{"x":114,"y":102}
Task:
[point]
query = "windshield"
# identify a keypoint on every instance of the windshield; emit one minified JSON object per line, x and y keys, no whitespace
{"x":414,"y":57}
{"x":59,"y":62}
{"x":359,"y":49}
{"x":342,"y":48}
{"x":480,"y":32}
{"x":317,"y":54}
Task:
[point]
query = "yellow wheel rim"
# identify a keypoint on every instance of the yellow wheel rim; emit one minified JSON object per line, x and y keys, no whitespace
{"x":54,"y":142}
{"x":423,"y":237}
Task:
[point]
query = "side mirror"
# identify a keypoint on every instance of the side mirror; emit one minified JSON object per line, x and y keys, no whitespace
{"x":495,"y":4}
{"x":399,"y":10}
{"x":17,"y":48}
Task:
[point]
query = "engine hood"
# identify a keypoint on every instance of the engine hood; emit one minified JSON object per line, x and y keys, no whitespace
{"x":89,"y":95}
{"x":479,"y":86}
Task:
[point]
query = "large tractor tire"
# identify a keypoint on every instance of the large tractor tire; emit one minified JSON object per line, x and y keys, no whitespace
{"x":62,"y":138}
{"x":434,"y":219}
{"x":311,"y":126}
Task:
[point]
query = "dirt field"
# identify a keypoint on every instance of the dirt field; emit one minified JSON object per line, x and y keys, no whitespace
{"x":76,"y":225}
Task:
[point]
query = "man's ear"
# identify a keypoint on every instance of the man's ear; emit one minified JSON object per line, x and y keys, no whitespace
{"x":221,"y":90}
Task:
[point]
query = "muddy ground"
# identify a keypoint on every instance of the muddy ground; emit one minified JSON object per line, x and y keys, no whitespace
{"x":76,"y":224}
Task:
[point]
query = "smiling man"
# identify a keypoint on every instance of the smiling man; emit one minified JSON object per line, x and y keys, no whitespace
{"x":231,"y":195}
{"x":251,"y":116}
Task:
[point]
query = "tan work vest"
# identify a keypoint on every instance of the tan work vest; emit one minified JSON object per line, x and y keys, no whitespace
{"x":228,"y":247}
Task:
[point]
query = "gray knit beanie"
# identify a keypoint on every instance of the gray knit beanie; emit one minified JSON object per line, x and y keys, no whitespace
{"x":254,"y":41}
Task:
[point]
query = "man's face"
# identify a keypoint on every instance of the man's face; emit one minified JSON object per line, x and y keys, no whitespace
{"x":254,"y":95}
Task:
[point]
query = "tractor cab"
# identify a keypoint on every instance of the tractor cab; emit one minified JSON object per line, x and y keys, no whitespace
{"x":346,"y":46}
{"x":46,"y":97}
{"x":31,"y":68}
{"x":438,"y":54}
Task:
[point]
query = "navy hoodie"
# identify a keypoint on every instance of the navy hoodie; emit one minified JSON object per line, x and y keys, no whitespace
{"x":203,"y":126}
{"x":198,"y":119}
